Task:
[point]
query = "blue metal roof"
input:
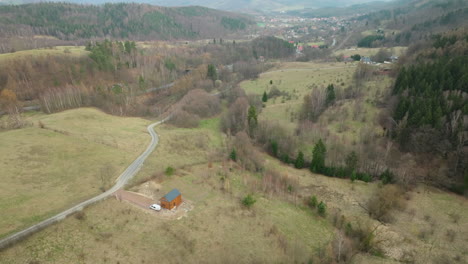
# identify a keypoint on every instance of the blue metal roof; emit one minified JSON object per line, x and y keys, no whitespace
{"x":172,"y":195}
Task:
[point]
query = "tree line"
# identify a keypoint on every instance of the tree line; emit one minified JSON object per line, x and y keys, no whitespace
{"x":432,"y":104}
{"x":122,"y":21}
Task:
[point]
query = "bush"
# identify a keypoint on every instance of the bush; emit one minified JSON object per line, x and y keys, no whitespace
{"x":233,"y":155}
{"x":312,"y":201}
{"x":364,"y":237}
{"x":388,"y":198}
{"x":248,"y":201}
{"x":184,"y":119}
{"x":387,"y":177}
{"x":235,"y":119}
{"x":275,"y":92}
{"x":80,"y":215}
{"x":169,"y":171}
{"x":285,"y":158}
{"x":299,"y":163}
{"x":201,"y":103}
{"x":356,"y":57}
{"x":322,"y":208}
{"x":246,"y":154}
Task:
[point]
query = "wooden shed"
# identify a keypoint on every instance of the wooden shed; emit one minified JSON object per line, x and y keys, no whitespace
{"x":171,"y":199}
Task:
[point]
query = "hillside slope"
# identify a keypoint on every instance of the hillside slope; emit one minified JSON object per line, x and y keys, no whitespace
{"x":231,"y":5}
{"x":135,"y":21}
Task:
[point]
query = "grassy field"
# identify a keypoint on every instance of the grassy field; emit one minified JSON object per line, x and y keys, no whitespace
{"x":179,"y":147}
{"x":429,"y":228}
{"x":298,"y":79}
{"x":76,"y":51}
{"x":78,"y":152}
{"x":217,"y":230}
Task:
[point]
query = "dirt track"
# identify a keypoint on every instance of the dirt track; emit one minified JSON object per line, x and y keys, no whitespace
{"x":134,"y":198}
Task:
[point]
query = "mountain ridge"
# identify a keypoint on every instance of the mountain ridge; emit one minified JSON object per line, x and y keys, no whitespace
{"x":227,"y":5}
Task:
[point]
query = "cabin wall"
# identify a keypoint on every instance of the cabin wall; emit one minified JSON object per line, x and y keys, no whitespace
{"x":169,"y":205}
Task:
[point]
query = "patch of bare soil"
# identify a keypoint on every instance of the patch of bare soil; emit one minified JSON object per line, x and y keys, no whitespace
{"x":148,"y":197}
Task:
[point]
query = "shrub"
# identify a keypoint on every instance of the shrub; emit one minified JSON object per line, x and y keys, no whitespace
{"x":201,"y":103}
{"x":353,"y":176}
{"x":169,"y":171}
{"x":312,"y":201}
{"x":248,"y":201}
{"x":274,"y":148}
{"x":387,"y":177}
{"x":386,"y":199}
{"x":322,"y":208}
{"x":246,"y":154}
{"x":184,"y":119}
{"x":275,"y":92}
{"x":299,"y":163}
{"x":80,"y":215}
{"x":235,"y":119}
{"x":233,"y":155}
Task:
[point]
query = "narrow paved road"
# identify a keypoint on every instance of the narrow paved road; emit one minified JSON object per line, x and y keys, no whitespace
{"x":120,"y":182}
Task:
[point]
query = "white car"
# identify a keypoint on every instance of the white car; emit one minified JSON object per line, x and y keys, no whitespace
{"x":155,"y":207}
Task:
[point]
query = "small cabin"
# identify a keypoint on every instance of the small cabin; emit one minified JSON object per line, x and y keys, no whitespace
{"x":171,"y":199}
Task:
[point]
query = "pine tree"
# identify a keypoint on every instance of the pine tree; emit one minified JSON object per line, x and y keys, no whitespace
{"x":299,"y":163}
{"x":330,"y":96}
{"x":252,"y":119}
{"x":318,"y":157}
{"x":322,"y":208}
{"x":274,"y":148}
{"x":233,"y":155}
{"x":211,"y":74}
{"x":264,"y":97}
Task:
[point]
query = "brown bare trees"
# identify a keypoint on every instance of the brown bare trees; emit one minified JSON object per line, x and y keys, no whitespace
{"x":235,"y":119}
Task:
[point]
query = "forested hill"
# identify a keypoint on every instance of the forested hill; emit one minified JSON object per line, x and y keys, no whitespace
{"x":431,"y":113}
{"x":413,"y":20}
{"x":135,"y":21}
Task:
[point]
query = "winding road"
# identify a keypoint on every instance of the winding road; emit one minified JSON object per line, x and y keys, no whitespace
{"x":120,"y":182}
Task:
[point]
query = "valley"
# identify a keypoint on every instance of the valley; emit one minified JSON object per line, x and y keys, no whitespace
{"x":299,"y":135}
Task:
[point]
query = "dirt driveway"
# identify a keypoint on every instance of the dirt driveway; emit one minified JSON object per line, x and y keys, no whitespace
{"x":144,"y":202}
{"x":134,"y":198}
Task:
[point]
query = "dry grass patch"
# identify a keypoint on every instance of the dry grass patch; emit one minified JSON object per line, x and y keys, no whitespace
{"x":74,"y":51}
{"x":76,"y":155}
{"x":217,"y":230}
{"x":180,"y":147}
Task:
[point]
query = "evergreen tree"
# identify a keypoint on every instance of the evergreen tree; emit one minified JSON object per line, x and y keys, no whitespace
{"x":252,"y":119}
{"x":299,"y":163}
{"x":351,"y":162}
{"x":274,"y":148}
{"x":212,"y":74}
{"x":264,"y":97}
{"x":330,"y":96}
{"x":313,"y":201}
{"x":322,"y":208}
{"x":233,"y":155}
{"x":318,"y":157}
